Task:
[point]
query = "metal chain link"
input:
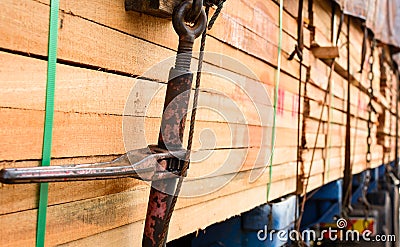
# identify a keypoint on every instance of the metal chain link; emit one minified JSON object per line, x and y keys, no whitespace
{"x":367,"y":177}
{"x":389,"y":83}
{"x":371,"y":76}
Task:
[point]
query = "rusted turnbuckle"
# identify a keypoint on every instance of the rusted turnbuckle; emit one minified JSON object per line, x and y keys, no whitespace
{"x":162,"y":192}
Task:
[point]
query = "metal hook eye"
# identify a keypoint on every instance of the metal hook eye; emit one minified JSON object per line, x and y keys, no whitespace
{"x":180,"y":26}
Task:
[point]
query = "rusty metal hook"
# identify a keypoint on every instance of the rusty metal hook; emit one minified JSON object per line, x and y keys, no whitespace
{"x":182,"y":28}
{"x":195,"y":12}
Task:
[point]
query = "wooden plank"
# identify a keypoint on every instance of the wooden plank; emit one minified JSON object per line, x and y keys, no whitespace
{"x":357,"y":125}
{"x":314,"y":109}
{"x":109,"y":137}
{"x":318,"y":180}
{"x":23,"y":86}
{"x":319,"y":153}
{"x":321,"y":166}
{"x":317,"y":94}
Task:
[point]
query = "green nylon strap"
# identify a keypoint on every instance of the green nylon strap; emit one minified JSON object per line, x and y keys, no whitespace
{"x":329,"y":127}
{"x":277,"y":80}
{"x":48,"y":122}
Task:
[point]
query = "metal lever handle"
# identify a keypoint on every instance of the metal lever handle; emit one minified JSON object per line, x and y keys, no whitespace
{"x":146,"y":164}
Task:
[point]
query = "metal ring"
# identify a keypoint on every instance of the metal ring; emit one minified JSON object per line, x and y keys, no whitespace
{"x":371,"y":76}
{"x":371,"y":59}
{"x":180,"y":25}
{"x":369,"y":158}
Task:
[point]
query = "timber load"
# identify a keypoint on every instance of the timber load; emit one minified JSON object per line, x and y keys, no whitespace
{"x":112,"y":69}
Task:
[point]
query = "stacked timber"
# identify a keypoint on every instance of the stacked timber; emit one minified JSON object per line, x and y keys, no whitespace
{"x":388,"y":94}
{"x":103,"y":52}
{"x":111,"y":73}
{"x":326,"y":90}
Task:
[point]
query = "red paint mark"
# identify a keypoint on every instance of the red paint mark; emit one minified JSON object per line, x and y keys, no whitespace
{"x":281,"y":100}
{"x":295,"y":105}
{"x":361,"y":105}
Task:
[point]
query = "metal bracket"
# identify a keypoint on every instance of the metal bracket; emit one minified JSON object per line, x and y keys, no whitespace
{"x":147,"y":164}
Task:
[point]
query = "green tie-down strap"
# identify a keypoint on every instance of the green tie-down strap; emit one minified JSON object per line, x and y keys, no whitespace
{"x":277,"y":79}
{"x":48,"y":122}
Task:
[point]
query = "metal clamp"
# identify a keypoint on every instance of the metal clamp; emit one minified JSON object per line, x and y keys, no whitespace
{"x":147,"y":164}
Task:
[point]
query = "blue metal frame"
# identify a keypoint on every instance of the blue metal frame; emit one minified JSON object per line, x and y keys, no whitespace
{"x":326,"y":202}
{"x":323,"y":205}
{"x":376,"y":175}
{"x":242,"y":231}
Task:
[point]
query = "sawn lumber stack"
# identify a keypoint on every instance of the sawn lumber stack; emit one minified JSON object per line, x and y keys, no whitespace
{"x":103,"y":52}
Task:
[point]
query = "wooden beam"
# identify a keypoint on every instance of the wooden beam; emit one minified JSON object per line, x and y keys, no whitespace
{"x":159,"y":8}
{"x":325,"y":52}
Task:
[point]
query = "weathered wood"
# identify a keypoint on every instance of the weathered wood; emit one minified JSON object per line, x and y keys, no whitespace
{"x":160,"y":8}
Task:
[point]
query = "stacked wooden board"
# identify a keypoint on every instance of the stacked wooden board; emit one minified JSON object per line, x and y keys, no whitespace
{"x":329,"y":149}
{"x":104,"y":106}
{"x":387,"y":118}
